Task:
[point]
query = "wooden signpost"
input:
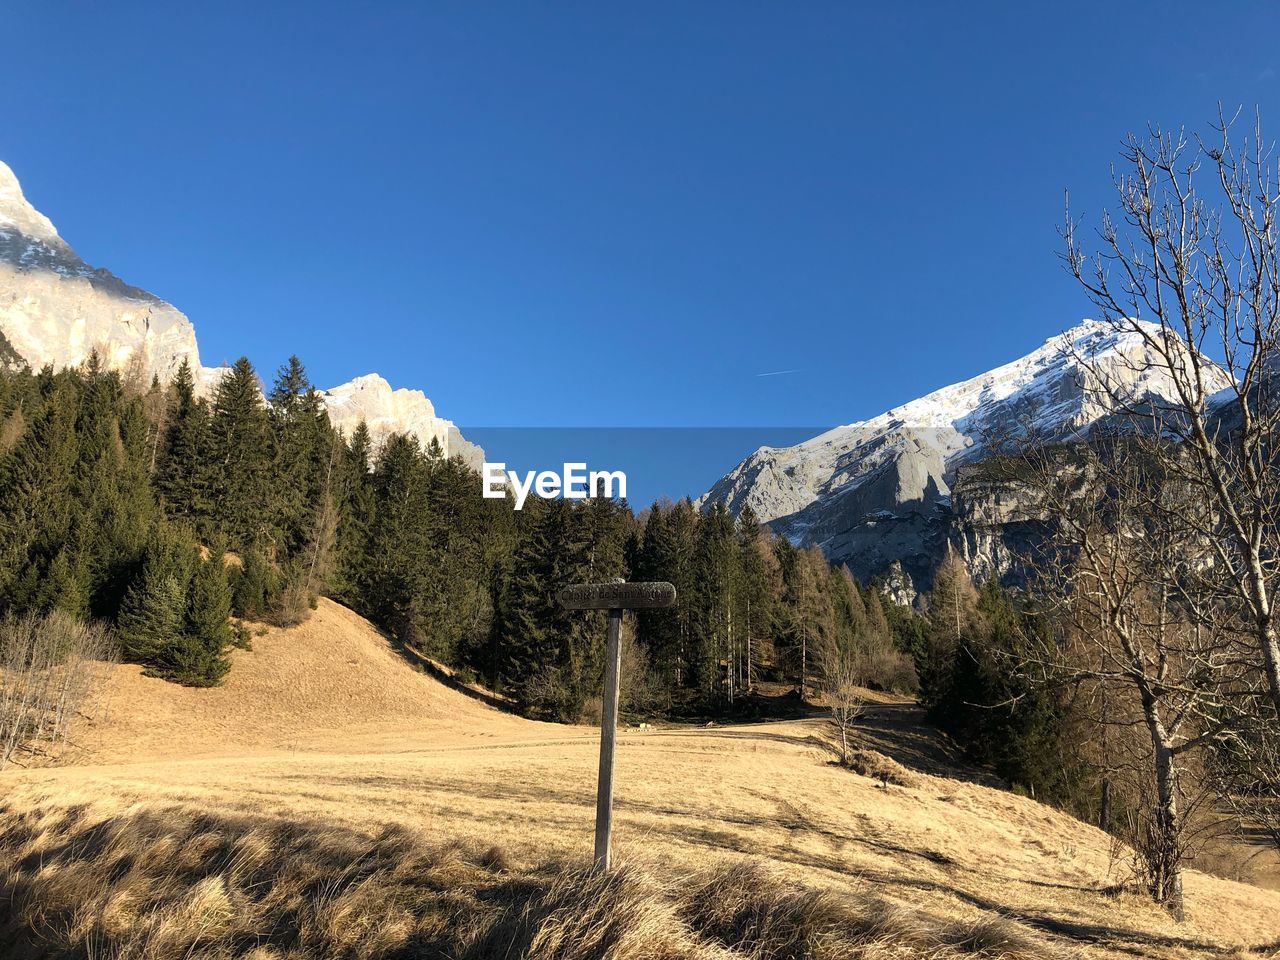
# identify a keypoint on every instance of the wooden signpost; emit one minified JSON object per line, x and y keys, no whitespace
{"x":614,"y":597}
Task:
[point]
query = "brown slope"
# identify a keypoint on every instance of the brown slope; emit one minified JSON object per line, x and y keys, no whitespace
{"x":334,"y":682}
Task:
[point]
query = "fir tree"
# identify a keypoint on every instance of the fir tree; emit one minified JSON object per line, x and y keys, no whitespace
{"x":153,"y":615}
{"x":659,"y":630}
{"x":715,"y":586}
{"x":238,"y":445}
{"x":254,"y":587}
{"x":810,"y":620}
{"x":200,"y":658}
{"x":760,"y":589}
{"x":37,"y":494}
{"x":355,"y":518}
{"x":184,"y":465}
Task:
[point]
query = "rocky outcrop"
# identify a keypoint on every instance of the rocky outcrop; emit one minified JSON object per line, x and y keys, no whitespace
{"x":996,"y":527}
{"x":386,"y":411}
{"x":10,"y":359}
{"x":57,"y":310}
{"x":898,"y":586}
{"x":893,"y":490}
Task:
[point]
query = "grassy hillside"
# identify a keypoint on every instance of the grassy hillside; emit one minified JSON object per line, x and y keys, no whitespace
{"x":324,"y":736}
{"x":333,"y":681}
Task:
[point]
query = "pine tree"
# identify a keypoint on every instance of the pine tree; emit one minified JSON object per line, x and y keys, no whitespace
{"x":199,"y":659}
{"x":152,"y":617}
{"x":66,"y":585}
{"x":239,"y":447}
{"x":549,"y":657}
{"x":115,"y":504}
{"x":184,"y":467}
{"x":760,"y":589}
{"x":659,"y":630}
{"x":682,"y":524}
{"x":37,"y":494}
{"x":301,"y":462}
{"x":954,"y":628}
{"x":355,"y":519}
{"x":399,"y":545}
{"x":810,"y":620}
{"x":292,"y":384}
{"x":716,"y":580}
{"x":255,"y":587}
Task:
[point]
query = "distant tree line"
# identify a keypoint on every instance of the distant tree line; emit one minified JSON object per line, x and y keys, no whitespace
{"x":174,"y":517}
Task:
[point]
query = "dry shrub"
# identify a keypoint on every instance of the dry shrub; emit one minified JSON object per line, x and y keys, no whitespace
{"x":870,"y":763}
{"x":166,"y":884}
{"x":582,"y":915}
{"x":891,"y":670}
{"x":995,"y":937}
{"x":52,"y":668}
{"x":767,"y":917}
{"x":292,"y":607}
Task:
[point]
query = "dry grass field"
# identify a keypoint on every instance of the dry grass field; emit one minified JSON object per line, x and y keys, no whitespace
{"x":324,"y":737}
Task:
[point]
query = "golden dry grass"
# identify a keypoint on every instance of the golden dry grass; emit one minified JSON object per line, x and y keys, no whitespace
{"x":873,"y":764}
{"x":325,"y":725}
{"x":164,"y":885}
{"x":332,"y":679}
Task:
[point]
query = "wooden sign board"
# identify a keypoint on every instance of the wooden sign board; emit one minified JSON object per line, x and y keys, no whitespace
{"x":618,"y":596}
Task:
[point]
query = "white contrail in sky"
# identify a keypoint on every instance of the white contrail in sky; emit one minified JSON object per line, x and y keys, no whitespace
{"x":776,"y":373}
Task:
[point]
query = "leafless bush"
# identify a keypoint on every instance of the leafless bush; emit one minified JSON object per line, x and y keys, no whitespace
{"x":292,"y":607}
{"x":641,"y":690}
{"x":51,"y":667}
{"x":166,"y":884}
{"x":870,"y":763}
{"x":891,"y":670}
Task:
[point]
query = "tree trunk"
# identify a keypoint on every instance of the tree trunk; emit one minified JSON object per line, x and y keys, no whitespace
{"x":1165,"y":845}
{"x":1271,"y":661}
{"x":804,"y":661}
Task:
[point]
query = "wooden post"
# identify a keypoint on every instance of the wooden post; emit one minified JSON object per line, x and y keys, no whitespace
{"x":608,"y":739}
{"x":613,"y":597}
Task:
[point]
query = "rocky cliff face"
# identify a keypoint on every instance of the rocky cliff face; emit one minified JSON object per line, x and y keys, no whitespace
{"x":995,"y":525}
{"x":889,"y":494}
{"x":56,"y":309}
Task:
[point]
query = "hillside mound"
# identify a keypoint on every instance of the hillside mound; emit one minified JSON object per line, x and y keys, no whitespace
{"x":333,"y":682}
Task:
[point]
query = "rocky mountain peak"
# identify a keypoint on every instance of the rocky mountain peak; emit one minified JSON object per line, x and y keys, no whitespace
{"x":23,"y":226}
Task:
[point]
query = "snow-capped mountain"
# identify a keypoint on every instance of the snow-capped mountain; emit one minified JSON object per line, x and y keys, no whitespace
{"x":56,"y":309}
{"x":878,"y":492}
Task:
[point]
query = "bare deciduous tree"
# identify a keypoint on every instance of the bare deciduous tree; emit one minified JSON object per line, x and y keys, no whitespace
{"x":51,"y":667}
{"x":1192,"y":266}
{"x":1137,"y":642}
{"x":843,"y":685}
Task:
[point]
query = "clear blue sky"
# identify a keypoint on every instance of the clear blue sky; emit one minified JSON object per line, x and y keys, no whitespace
{"x":608,"y":214}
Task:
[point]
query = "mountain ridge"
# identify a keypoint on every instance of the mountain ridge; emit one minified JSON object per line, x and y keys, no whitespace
{"x":877,"y":493}
{"x":56,"y":309}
